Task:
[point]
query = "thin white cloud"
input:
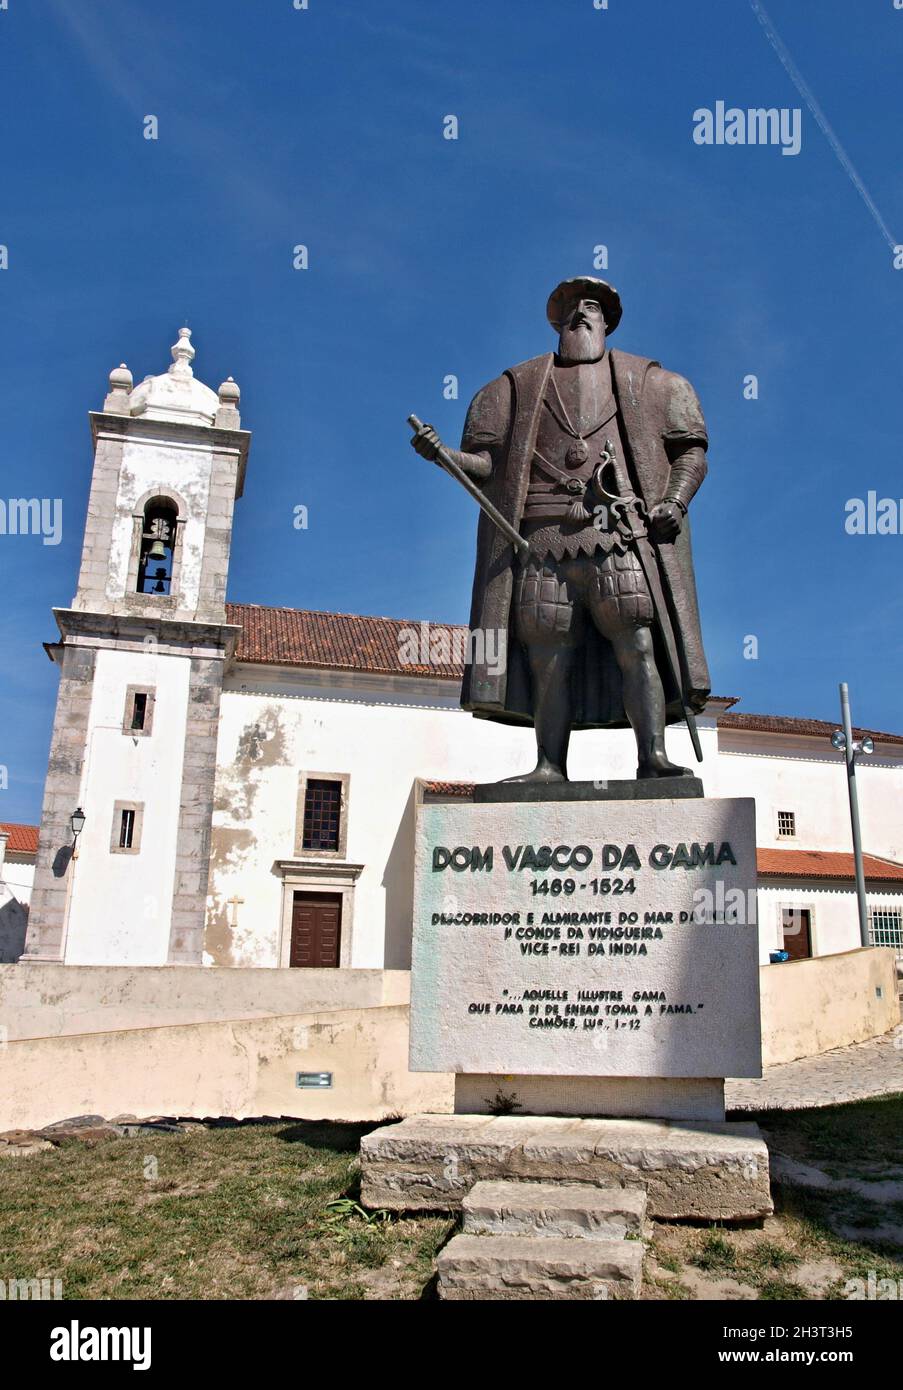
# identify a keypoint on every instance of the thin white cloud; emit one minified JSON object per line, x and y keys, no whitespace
{"x":824,"y":124}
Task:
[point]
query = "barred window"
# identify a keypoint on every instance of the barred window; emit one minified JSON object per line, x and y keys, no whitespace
{"x":786,"y":823}
{"x":886,"y":927}
{"x":125,"y":837}
{"x":322,"y":815}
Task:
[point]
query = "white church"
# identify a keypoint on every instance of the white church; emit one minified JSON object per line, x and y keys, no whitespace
{"x":235,"y":786}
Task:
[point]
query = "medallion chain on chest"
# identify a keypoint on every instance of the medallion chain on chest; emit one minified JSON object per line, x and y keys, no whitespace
{"x":577,"y":453}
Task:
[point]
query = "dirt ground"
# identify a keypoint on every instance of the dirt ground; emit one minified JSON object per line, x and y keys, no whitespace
{"x":837,"y":1179}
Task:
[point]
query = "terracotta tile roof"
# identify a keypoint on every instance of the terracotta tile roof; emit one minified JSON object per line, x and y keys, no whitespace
{"x":356,"y":642}
{"x":342,"y":641}
{"x":23,"y":839}
{"x":339,"y":641}
{"x":819,"y":863}
{"x":784,"y":724}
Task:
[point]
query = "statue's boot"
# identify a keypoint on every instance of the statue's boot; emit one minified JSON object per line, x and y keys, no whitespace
{"x":544,"y":772}
{"x":656,"y":762}
{"x":550,"y":668}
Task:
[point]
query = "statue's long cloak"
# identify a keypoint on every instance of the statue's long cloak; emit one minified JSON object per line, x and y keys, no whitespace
{"x":653,"y":406}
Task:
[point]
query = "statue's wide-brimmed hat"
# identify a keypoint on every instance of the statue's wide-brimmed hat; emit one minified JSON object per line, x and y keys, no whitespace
{"x":564,"y":296}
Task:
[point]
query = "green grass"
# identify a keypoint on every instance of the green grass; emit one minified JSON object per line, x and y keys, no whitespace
{"x":223,"y":1213}
{"x":750,"y":1259}
{"x":780,"y":1290}
{"x":271,"y":1210}
{"x":716,"y":1253}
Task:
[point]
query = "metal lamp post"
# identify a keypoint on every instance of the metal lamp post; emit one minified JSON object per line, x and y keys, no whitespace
{"x":842,"y":740}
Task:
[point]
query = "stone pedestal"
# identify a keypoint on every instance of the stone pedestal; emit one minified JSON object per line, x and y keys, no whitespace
{"x":701,"y":1172}
{"x":587,"y":958}
{"x":539,"y":1268}
{"x":667,"y":1097}
{"x":548,"y":1241}
{"x":575,"y":960}
{"x":626,"y":789}
{"x":578,"y":1210}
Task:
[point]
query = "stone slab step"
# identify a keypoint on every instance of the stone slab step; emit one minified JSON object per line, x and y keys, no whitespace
{"x":539,"y":1267}
{"x":554,"y":1209}
{"x":699,"y":1170}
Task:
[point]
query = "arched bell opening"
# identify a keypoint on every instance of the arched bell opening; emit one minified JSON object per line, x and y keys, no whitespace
{"x":157,"y":553}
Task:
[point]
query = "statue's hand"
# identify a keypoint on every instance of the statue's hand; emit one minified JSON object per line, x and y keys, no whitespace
{"x":665,"y":521}
{"x":427,"y":443}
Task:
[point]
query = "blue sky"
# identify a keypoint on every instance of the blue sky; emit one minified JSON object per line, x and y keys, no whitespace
{"x":429,"y":257}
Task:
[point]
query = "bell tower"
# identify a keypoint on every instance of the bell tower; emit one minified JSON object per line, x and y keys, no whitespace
{"x":141,"y":652}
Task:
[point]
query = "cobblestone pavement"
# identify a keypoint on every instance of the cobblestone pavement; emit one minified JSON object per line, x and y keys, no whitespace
{"x":873,"y":1068}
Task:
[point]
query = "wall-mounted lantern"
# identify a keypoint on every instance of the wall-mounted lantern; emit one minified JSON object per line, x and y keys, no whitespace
{"x":76,"y":825}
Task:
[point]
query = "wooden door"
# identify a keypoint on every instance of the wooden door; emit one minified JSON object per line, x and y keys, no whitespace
{"x":316,"y":930}
{"x":797,"y":933}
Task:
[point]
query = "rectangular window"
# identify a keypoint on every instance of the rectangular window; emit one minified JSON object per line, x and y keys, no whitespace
{"x":125,"y":837}
{"x":138,"y":716}
{"x":322,"y":815}
{"x":786,"y":823}
{"x":139,"y":710}
{"x":886,"y":927}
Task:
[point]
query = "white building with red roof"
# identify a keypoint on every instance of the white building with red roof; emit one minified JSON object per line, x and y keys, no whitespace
{"x":327,"y":694}
{"x":248,"y":776}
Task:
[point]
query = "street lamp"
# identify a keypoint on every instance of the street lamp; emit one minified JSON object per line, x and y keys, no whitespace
{"x":76,"y":825}
{"x":843,"y":741}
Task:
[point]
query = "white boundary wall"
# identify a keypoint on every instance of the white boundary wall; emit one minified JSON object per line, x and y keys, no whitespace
{"x":64,"y":1049}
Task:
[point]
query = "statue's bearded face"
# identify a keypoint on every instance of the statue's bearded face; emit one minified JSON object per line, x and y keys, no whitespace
{"x":582,"y":333}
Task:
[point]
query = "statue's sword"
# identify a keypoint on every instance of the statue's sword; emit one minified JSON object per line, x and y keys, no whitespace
{"x":630,"y":506}
{"x":444,"y":458}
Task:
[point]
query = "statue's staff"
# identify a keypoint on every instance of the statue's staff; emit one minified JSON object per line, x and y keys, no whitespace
{"x":445,"y":460}
{"x":631,"y":507}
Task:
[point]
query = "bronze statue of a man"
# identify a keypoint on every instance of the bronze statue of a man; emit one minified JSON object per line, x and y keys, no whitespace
{"x":593,"y":456}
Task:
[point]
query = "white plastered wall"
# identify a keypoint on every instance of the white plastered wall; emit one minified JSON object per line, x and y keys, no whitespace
{"x":119,"y":904}
{"x":388,"y":733}
{"x":386,"y":736}
{"x":805,"y":776}
{"x":18,"y":878}
{"x":152,"y":465}
{"x":834,"y":915}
